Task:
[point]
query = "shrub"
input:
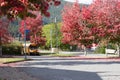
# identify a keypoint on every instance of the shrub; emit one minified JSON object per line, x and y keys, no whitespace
{"x":13,"y":48}
{"x":111,"y":46}
{"x":100,"y":49}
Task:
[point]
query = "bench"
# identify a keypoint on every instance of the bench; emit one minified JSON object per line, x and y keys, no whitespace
{"x":110,"y":51}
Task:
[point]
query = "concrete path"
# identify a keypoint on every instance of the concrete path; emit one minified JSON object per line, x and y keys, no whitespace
{"x":56,"y":68}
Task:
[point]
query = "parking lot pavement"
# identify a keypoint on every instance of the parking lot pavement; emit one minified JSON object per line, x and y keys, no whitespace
{"x":60,"y":68}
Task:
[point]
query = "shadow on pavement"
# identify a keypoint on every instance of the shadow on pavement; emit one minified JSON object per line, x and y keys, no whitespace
{"x":58,"y":74}
{"x":72,"y":62}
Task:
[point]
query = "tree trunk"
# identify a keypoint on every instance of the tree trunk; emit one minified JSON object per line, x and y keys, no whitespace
{"x":85,"y":51}
{"x":0,"y":50}
{"x":0,"y":47}
{"x":118,"y":49}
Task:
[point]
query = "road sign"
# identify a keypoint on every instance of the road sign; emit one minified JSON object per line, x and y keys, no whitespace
{"x":27,"y":35}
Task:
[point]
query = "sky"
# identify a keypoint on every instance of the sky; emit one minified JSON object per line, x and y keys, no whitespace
{"x":81,"y":1}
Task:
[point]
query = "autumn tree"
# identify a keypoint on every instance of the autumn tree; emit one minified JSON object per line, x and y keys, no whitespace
{"x":97,"y":22}
{"x":5,"y":36}
{"x":69,"y":23}
{"x":34,"y":25}
{"x":75,"y":29}
{"x":105,"y":17}
{"x":21,"y":8}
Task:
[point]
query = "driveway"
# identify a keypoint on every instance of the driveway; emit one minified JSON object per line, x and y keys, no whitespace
{"x":56,"y":68}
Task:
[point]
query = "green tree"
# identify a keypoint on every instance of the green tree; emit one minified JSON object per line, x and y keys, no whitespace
{"x":49,"y":31}
{"x":52,"y":34}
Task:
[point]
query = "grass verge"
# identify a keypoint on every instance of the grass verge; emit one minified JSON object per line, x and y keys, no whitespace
{"x":57,"y":54}
{"x":11,"y":60}
{"x":62,"y":55}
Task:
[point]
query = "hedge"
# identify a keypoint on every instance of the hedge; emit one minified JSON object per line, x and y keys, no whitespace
{"x":13,"y":48}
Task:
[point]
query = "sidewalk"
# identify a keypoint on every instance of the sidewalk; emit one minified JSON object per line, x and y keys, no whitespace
{"x":96,"y":57}
{"x":93,"y":55}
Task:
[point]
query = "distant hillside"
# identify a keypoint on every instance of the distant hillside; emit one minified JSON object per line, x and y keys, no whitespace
{"x":56,"y":12}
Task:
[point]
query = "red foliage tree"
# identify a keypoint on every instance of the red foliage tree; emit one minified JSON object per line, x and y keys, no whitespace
{"x":5,"y":37}
{"x":75,"y":29}
{"x":70,"y":21}
{"x":102,"y":16}
{"x":34,"y":25}
{"x":100,"y":20}
{"x":21,"y":8}
{"x":106,"y":19}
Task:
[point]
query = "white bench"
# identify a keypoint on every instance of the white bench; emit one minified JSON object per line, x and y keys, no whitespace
{"x":110,"y":51}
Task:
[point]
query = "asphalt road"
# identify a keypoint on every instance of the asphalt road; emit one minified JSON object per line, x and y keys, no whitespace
{"x":55,"y":68}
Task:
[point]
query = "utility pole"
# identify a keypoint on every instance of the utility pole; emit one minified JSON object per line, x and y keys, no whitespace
{"x":25,"y":39}
{"x":56,"y":32}
{"x":51,"y":38}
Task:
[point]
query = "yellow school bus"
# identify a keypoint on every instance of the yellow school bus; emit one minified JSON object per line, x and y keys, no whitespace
{"x":31,"y":48}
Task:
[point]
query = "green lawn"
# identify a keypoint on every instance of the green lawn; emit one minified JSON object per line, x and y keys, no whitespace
{"x":62,"y":55}
{"x":57,"y":54}
{"x":10,"y":60}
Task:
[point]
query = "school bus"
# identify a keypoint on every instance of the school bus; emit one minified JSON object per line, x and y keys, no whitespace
{"x":31,"y":48}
